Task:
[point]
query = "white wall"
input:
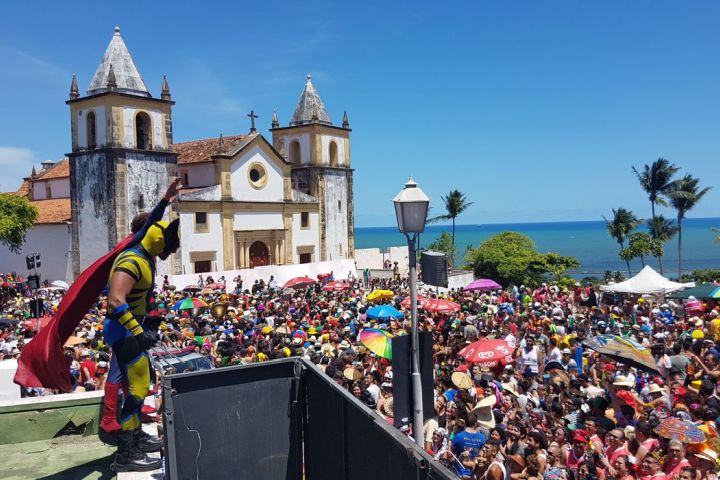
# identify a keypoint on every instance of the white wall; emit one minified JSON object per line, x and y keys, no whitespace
{"x":304,"y":141}
{"x":243,"y":221}
{"x":373,"y":258}
{"x":200,"y":242}
{"x":340,"y":142}
{"x":129,"y":126}
{"x":305,"y":237}
{"x":59,"y":188}
{"x":199,"y":175}
{"x":240,"y":183}
{"x":52,"y":242}
{"x":99,"y":127}
{"x":336,"y":221}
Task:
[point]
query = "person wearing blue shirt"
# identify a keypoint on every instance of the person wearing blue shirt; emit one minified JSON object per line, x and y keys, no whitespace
{"x":467,"y":445}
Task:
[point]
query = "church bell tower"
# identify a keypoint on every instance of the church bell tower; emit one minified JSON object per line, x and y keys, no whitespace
{"x":121,"y":159}
{"x":319,"y":153}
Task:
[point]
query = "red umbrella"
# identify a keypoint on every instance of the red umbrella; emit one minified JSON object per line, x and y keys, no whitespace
{"x":335,"y":286}
{"x":215,"y":286}
{"x":298,"y":282}
{"x":443,"y":306}
{"x":31,"y":324}
{"x":488,"y":353}
{"x":424,"y":302}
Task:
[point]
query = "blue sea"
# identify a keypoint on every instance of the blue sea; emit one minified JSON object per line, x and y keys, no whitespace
{"x":588,"y":241}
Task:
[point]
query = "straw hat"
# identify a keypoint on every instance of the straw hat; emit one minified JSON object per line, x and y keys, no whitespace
{"x":510,"y":388}
{"x":483,"y":410}
{"x":708,"y":454}
{"x":623,"y":381}
{"x":461,"y":380}
{"x":352,"y":374}
{"x":655,"y":388}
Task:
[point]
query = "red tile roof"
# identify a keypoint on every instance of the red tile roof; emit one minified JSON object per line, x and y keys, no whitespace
{"x":60,"y":170}
{"x":55,"y":210}
{"x":199,"y":151}
{"x":23,"y":191}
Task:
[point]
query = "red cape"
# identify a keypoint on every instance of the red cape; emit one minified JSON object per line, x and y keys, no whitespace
{"x":43,"y":362}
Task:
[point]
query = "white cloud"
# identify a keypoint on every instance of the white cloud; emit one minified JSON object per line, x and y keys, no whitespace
{"x":16,"y":163}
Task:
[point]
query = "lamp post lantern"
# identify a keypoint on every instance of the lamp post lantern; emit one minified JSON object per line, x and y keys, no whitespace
{"x":411,"y":207}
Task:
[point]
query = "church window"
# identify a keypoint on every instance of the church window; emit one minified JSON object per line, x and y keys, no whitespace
{"x":203,"y":266}
{"x":185,"y":179}
{"x":48,"y":190}
{"x":141,"y":202}
{"x":333,"y":154}
{"x":142,"y":131}
{"x":339,"y":205}
{"x":305,"y":257}
{"x":257,"y":175}
{"x":91,"y":135}
{"x":201,"y":223}
{"x":295,"y":152}
{"x":305,"y":220}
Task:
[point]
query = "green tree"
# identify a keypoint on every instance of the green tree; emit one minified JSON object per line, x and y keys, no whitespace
{"x":684,"y":194}
{"x":511,"y":257}
{"x":444,"y":244}
{"x":555,"y":264}
{"x":455,"y":204}
{"x":661,"y":230}
{"x":623,"y":222}
{"x":17,"y":214}
{"x":640,"y":245}
{"x":655,"y":179}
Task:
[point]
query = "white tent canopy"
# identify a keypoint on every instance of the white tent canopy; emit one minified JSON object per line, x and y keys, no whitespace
{"x":647,"y":281}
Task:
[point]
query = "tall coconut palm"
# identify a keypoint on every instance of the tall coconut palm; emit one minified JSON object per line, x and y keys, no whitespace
{"x":662,"y":230}
{"x":623,"y":222}
{"x":455,"y":204}
{"x":684,"y":194}
{"x":655,"y":179}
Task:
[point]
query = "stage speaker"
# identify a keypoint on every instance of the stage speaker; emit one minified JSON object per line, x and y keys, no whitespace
{"x":34,"y":281}
{"x":434,"y":269}
{"x":36,"y":308}
{"x":402,"y":378}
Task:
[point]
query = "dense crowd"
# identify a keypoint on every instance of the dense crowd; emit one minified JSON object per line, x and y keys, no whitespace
{"x":558,"y":409}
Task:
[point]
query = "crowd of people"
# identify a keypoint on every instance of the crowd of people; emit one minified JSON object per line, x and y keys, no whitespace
{"x":557,"y":410}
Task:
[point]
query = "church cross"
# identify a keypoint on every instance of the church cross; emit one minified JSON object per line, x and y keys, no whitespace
{"x":252,"y":120}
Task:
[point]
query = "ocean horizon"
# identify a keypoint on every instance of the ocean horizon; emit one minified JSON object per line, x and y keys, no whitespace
{"x":587,"y":240}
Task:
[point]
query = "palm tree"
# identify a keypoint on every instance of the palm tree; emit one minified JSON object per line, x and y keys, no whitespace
{"x":455,"y":204}
{"x":655,"y":179}
{"x":661,"y":230}
{"x":623,"y":222}
{"x":684,"y":194}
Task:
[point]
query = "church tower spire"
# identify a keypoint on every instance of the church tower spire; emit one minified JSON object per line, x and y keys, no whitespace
{"x":310,"y":108}
{"x":74,"y":91}
{"x":346,"y":122}
{"x":275,"y":123}
{"x":165,"y":91}
{"x":111,"y":83}
{"x":128,"y":78}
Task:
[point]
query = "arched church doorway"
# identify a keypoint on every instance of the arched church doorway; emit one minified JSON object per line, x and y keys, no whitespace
{"x":259,"y":254}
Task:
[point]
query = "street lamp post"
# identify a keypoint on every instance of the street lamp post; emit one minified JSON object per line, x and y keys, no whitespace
{"x":411,"y":207}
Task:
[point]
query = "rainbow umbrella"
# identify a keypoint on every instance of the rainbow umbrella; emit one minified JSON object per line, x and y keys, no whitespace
{"x":624,"y":351}
{"x":675,"y":428}
{"x":377,"y":341}
{"x":380,"y":295}
{"x":188,"y":304}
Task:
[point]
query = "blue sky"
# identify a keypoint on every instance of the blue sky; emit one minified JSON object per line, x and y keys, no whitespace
{"x":535,"y":109}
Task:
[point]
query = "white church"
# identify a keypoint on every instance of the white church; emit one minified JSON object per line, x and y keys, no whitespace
{"x":247,"y":201}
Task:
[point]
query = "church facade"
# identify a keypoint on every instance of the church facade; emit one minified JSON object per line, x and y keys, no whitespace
{"x":246,"y":201}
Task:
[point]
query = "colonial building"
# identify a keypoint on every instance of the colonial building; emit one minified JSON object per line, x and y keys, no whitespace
{"x":247,"y":201}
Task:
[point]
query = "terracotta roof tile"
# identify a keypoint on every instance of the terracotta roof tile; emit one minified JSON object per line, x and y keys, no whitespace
{"x":56,"y":210}
{"x":23,"y":191}
{"x":199,"y":151}
{"x":60,"y":170}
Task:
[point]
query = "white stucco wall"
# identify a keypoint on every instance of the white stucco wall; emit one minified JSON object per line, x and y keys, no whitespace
{"x":336,"y":220}
{"x":240,"y":183}
{"x":304,"y":141}
{"x":243,"y":221}
{"x":373,"y":258}
{"x":59,"y":188}
{"x":325,"y":142}
{"x":200,"y":242}
{"x":129,"y":127}
{"x":99,"y":127}
{"x":199,"y":175}
{"x":53,"y":244}
{"x":305,"y":237}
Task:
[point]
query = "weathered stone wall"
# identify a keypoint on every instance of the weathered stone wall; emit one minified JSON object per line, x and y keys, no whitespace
{"x":336,"y":205}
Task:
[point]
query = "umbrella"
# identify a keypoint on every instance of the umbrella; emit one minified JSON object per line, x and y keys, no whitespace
{"x":488,"y":353}
{"x":31,"y":324}
{"x":215,"y":286}
{"x":423,"y":302}
{"x":72,"y":341}
{"x":189,"y":304}
{"x":675,"y":428}
{"x":377,"y":341}
{"x":482,"y":284}
{"x":335,"y":286}
{"x":60,"y":284}
{"x":715,"y":293}
{"x":192,"y":288}
{"x":380,"y":295}
{"x":624,"y":351}
{"x":384,"y":312}
{"x":443,"y":306}
{"x":703,"y":290}
{"x":298,"y":282}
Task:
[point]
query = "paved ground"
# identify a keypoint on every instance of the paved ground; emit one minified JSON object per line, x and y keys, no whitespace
{"x":71,"y":457}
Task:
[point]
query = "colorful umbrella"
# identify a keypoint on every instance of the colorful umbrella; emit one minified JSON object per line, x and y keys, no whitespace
{"x":189,"y":304}
{"x":443,"y":306}
{"x":192,"y":288}
{"x":624,"y":351}
{"x":675,"y":428}
{"x":298,"y":282}
{"x":377,"y":341}
{"x":482,"y":284}
{"x":423,"y":302}
{"x":380,"y":295}
{"x":215,"y":286}
{"x":384,"y":312}
{"x":335,"y":286}
{"x":715,"y":293}
{"x":488,"y":353}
